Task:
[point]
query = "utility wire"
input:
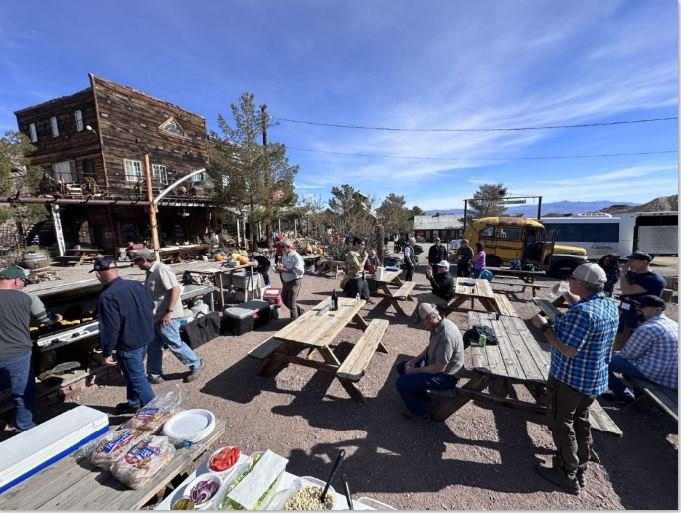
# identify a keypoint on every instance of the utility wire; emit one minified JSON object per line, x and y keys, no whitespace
{"x":482,"y":159}
{"x":512,"y":129}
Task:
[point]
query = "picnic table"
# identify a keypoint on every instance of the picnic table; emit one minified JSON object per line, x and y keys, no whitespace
{"x":517,"y":358}
{"x":68,"y":485}
{"x":316,"y":330}
{"x":392,"y":295}
{"x":80,"y":256}
{"x":175,"y":254}
{"x":480,"y":290}
{"x":216,"y":274}
{"x":526,"y":276}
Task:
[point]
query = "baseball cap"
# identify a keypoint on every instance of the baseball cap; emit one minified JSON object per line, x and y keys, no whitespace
{"x":104,"y":264}
{"x":590,"y":273}
{"x":147,"y":254}
{"x":12,"y":273}
{"x":443,"y":263}
{"x":650,"y":300}
{"x":426,"y":309}
{"x":640,"y":255}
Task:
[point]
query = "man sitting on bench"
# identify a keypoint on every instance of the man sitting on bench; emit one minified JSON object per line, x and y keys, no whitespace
{"x":651,"y":353}
{"x":432,"y":369}
{"x":442,"y":286}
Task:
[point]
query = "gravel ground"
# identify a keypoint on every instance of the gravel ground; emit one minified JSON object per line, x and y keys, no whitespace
{"x":483,"y":457}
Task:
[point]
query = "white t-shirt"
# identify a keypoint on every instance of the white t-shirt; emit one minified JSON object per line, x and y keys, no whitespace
{"x":159,"y":282}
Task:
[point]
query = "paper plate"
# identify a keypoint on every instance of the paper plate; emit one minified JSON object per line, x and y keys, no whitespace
{"x":190,"y":425}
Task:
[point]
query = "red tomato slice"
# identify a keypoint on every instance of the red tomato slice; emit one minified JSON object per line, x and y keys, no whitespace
{"x":225,"y":459}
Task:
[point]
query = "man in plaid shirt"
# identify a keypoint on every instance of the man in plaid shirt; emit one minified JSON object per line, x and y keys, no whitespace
{"x":581,"y":343}
{"x":651,"y":353}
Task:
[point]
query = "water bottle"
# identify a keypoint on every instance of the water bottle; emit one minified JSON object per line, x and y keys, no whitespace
{"x":334,"y":300}
{"x":357,"y":298}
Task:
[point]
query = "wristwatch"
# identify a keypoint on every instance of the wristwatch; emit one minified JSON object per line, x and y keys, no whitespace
{"x":545,"y":327}
{"x":169,"y":310}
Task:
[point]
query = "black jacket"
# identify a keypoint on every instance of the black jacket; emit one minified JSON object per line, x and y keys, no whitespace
{"x":437,"y":254}
{"x":443,"y":285}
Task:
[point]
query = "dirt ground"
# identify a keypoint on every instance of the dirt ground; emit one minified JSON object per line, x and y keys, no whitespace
{"x":481,"y":458}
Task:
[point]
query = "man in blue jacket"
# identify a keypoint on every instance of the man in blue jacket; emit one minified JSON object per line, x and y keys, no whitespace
{"x":126,"y":324}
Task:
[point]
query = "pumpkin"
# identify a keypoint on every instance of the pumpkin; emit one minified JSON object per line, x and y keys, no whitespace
{"x":219,"y":258}
{"x":243,"y":260}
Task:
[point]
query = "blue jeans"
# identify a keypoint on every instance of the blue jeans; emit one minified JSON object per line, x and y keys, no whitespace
{"x":17,"y":372}
{"x":138,"y":389}
{"x":169,"y":335}
{"x":622,"y":366}
{"x":412,"y":388}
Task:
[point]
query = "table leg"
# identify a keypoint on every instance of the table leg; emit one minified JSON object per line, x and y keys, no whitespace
{"x":359,"y":322}
{"x":349,"y":386}
{"x":489,"y":304}
{"x":444,"y":408}
{"x":274,"y":364}
{"x":221,"y":286}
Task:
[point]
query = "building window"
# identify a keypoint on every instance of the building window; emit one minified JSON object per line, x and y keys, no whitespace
{"x":55,"y":126}
{"x":199,"y":177}
{"x":34,"y":132}
{"x":133,"y":170}
{"x":89,"y":168}
{"x":172,"y":126}
{"x":79,"y":120}
{"x":64,"y":172}
{"x":160,"y":173}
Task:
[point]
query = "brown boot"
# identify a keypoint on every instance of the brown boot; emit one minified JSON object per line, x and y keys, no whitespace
{"x":559,"y":478}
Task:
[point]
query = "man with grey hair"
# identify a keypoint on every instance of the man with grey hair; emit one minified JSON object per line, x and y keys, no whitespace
{"x":410,"y":258}
{"x":291,"y":269}
{"x":434,"y":368}
{"x":581,"y":342}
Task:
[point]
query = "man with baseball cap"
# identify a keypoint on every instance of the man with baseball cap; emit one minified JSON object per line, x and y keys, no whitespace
{"x":442,"y":285}
{"x":652,"y":351}
{"x":636,"y":281}
{"x":434,"y":368}
{"x":164,"y":290}
{"x":126,"y":324}
{"x":581,"y":342}
{"x":17,"y":309}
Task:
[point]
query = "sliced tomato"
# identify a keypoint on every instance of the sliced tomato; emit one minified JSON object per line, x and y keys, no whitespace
{"x":224,"y":459}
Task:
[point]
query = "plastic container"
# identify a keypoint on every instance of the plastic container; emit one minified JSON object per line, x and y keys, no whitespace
{"x":278,"y":500}
{"x":224,"y":474}
{"x":208,"y":476}
{"x":189,"y":425}
{"x":373,"y":504}
{"x":238,"y":469}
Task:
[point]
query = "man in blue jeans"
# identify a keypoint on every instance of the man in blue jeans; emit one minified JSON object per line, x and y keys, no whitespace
{"x":651,"y":353}
{"x":164,"y":290}
{"x":17,"y":308}
{"x":434,"y":368}
{"x":126,"y":323}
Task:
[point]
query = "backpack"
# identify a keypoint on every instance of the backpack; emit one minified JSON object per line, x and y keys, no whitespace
{"x":473,"y":335}
{"x":486,"y":274}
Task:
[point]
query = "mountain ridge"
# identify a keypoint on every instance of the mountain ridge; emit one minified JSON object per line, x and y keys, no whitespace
{"x":559,"y":207}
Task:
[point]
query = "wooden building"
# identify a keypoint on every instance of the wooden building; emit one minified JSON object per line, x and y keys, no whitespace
{"x":447,"y":227}
{"x":92,"y":146}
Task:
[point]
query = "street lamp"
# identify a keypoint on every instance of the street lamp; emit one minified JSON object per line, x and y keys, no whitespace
{"x":153,"y":202}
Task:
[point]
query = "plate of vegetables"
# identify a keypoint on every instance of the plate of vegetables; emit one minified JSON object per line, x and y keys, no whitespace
{"x":203,"y":489}
{"x":224,"y":460}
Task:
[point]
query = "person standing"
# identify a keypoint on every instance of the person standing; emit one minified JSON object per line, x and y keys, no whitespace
{"x":479,"y":260}
{"x":17,"y":308}
{"x":263,"y":268}
{"x":126,"y":323}
{"x":409,"y":258}
{"x":612,"y":272}
{"x":164,"y":290}
{"x":636,"y":281}
{"x":291,"y":269}
{"x":434,"y":368}
{"x":355,"y":261}
{"x":581,"y":342}
{"x":437,"y":253}
{"x":652,"y":351}
{"x":464,"y":257}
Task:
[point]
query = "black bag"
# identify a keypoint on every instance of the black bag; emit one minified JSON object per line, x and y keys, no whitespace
{"x":202,"y":329}
{"x":473,"y":335}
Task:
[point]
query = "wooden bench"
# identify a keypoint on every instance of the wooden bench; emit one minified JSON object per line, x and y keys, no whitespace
{"x":265,"y":349}
{"x":404,"y":292}
{"x":532,"y":286}
{"x":664,"y":398}
{"x":356,"y":363}
{"x":505,"y":306}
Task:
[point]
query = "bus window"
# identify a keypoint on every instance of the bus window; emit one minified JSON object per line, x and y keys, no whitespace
{"x":510,"y":233}
{"x":487,"y":233}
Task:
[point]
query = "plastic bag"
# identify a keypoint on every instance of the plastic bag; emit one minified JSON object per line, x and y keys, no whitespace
{"x":113,"y":445}
{"x":143,"y":461}
{"x":152,"y":417}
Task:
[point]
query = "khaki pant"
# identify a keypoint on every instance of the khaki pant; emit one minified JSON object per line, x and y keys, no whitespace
{"x":289,"y":296}
{"x":568,"y":420}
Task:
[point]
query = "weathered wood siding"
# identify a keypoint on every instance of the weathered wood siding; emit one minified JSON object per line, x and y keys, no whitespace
{"x":129,"y":122}
{"x":70,"y":144}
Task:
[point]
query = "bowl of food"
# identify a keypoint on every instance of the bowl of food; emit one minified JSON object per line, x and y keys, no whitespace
{"x":183,"y":503}
{"x":303,"y":495}
{"x":203,"y":489}
{"x":223,"y":461}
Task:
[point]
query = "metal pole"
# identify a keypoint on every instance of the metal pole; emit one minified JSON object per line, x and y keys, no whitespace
{"x":465,"y":213}
{"x":152,"y":208}
{"x":539,"y":210}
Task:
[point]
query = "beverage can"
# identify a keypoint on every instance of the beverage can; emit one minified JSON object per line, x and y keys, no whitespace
{"x":482,"y":340}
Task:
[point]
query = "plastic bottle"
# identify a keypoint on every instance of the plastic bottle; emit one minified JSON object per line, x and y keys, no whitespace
{"x":357,"y":298}
{"x":334,"y":300}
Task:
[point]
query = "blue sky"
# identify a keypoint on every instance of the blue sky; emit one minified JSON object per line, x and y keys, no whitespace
{"x":388,"y":63}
